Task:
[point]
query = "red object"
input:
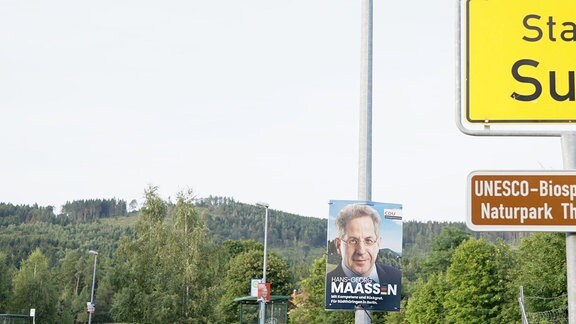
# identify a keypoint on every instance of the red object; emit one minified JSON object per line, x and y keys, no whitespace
{"x":264,"y":291}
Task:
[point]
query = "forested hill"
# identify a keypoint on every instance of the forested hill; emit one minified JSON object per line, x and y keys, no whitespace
{"x":100,"y":223}
{"x":228,"y":219}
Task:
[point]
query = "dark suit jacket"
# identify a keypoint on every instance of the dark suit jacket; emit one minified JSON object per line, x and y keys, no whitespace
{"x":386,"y":299}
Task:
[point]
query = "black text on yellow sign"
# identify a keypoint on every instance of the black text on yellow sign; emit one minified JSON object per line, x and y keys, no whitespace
{"x":520,"y":61}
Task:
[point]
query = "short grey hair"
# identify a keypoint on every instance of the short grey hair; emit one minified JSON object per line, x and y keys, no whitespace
{"x":352,"y":211}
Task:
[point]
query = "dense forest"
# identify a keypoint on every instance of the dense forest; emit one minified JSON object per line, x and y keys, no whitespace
{"x":186,"y":262}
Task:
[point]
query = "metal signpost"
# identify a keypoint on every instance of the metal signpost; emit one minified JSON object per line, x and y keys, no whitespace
{"x":517,"y":78}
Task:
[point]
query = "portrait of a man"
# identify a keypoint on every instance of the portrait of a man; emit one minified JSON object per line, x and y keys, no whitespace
{"x":356,"y":277}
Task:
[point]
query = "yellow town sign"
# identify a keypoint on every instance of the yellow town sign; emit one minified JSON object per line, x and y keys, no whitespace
{"x":520,"y":61}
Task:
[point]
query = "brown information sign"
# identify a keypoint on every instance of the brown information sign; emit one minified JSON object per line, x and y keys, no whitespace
{"x":522,"y":201}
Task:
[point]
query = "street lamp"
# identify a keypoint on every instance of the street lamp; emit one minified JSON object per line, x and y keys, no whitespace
{"x":263,"y":299}
{"x":91,"y":309}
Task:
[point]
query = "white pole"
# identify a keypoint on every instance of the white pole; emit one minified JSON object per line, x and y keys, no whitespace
{"x":263,"y":299}
{"x":569,"y":159}
{"x":365,"y":160}
{"x":93,"y":281}
{"x":361,"y":315}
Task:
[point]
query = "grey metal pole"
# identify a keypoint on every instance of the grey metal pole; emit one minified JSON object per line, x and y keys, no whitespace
{"x":522,"y":309}
{"x":365,"y":159}
{"x":263,"y":300}
{"x":93,"y":281}
{"x":569,"y":159}
{"x":362,"y":316}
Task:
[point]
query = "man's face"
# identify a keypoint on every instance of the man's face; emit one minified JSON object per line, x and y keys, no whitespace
{"x":360,"y":257}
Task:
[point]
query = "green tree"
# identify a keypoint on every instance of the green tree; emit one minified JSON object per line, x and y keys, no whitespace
{"x":480,"y":288}
{"x":33,"y":288}
{"x":310,"y":307}
{"x":425,"y":306}
{"x":5,"y":283}
{"x":443,"y":247}
{"x":395,"y":317}
{"x":542,"y":270}
{"x":189,"y":248}
{"x":164,"y":276}
{"x":143,"y":277}
{"x":73,"y":276}
{"x":309,"y":302}
{"x":247,"y":266}
{"x":234,"y":247}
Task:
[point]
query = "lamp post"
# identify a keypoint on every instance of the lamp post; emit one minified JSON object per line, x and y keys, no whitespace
{"x":263,"y":299}
{"x":90,"y":311}
{"x":362,"y":316}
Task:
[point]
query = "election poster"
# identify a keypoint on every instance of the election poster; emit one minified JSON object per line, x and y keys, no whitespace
{"x":364,"y":255}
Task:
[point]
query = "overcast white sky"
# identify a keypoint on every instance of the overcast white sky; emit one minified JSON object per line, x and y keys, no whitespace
{"x":255,"y":100}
